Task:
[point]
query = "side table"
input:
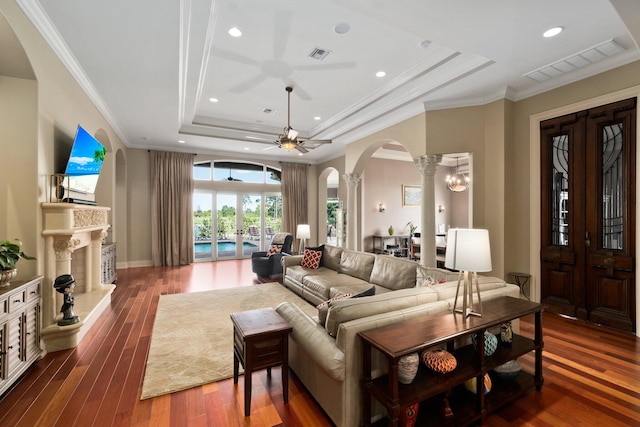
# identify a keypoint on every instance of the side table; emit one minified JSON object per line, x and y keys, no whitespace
{"x":260,"y":340}
{"x":522,"y":280}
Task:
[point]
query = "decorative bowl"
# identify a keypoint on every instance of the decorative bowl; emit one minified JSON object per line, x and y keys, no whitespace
{"x":508,"y":371}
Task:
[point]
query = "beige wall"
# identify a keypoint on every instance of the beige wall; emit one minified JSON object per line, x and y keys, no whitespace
{"x":382,"y":182}
{"x":19,"y":185}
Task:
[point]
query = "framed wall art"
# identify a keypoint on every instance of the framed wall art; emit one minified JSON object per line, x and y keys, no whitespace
{"x":411,"y":195}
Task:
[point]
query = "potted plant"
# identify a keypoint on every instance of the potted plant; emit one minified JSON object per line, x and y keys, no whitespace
{"x":10,"y":254}
{"x":412,"y":229}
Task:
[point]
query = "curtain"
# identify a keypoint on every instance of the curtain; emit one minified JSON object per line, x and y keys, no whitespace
{"x":171,"y":208}
{"x":294,"y":196}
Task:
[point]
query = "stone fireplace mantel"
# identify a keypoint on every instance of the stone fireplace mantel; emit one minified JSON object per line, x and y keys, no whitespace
{"x":73,"y":241}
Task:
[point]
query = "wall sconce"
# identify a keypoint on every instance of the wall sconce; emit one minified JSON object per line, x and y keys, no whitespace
{"x":381,"y":207}
{"x":440,"y":208}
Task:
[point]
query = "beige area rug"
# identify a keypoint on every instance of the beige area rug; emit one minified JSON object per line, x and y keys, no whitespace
{"x":192,"y":338}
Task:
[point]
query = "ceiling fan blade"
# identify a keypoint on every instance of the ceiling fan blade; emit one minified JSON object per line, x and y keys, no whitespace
{"x":249,"y":84}
{"x":318,"y":141}
{"x":281,"y":33}
{"x":232,"y":56}
{"x":301,"y":149}
{"x":324,"y":67}
{"x":299,"y":91}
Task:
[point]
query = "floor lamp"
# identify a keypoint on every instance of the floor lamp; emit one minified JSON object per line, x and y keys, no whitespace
{"x":468,"y":251}
{"x":303,"y":233}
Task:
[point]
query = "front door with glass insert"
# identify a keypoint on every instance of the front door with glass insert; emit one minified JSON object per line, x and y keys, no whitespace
{"x":588,"y":214}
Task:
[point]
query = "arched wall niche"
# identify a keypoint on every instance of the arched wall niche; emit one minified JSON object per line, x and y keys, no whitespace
{"x":322,"y":202}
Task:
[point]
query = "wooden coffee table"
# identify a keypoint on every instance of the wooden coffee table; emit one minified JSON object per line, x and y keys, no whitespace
{"x":260,"y":340}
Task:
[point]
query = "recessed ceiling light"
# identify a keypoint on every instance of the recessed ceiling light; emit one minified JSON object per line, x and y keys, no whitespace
{"x":317,"y":118}
{"x":213,"y":99}
{"x":551,"y":32}
{"x":235,"y":32}
{"x":342,"y":28}
{"x":180,"y":141}
{"x":381,"y":74}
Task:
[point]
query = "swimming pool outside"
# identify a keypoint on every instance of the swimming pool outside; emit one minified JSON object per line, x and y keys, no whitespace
{"x":225,"y":249}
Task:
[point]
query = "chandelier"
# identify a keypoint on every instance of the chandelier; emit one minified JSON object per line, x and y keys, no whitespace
{"x":458,"y":182}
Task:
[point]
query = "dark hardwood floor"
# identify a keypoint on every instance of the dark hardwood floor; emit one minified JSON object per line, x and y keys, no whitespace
{"x":592,"y":374}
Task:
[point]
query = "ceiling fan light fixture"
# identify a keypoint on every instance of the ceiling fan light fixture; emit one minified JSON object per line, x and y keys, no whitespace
{"x":288,"y":145}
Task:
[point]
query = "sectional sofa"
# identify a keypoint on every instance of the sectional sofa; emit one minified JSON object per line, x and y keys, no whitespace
{"x":325,"y":351}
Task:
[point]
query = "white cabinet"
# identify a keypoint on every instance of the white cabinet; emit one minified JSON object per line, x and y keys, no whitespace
{"x":19,"y":329}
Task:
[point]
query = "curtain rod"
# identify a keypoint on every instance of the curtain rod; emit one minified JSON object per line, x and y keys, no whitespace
{"x":193,"y":154}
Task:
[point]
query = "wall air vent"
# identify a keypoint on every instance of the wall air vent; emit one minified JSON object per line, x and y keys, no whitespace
{"x":579,"y":60}
{"x":319,"y":53}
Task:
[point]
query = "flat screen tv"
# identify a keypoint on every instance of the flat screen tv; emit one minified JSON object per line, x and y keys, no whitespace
{"x":83,"y":167}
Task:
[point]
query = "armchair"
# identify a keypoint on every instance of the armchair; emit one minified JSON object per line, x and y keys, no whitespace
{"x":269,"y":266}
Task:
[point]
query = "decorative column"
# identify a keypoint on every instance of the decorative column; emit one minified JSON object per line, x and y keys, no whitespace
{"x":352,"y":180}
{"x":427,"y":166}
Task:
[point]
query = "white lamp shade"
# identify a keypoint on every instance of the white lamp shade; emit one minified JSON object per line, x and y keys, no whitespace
{"x":303,"y":231}
{"x":468,"y":250}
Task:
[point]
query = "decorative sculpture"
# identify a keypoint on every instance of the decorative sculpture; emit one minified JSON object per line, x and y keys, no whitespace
{"x":65,"y":285}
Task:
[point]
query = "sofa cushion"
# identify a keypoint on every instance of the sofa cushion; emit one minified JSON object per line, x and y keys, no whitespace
{"x":331,"y":257}
{"x":393,"y":273}
{"x":323,"y":307}
{"x":321,"y":284}
{"x":311,"y":336}
{"x":357,"y":264}
{"x":426,"y":275}
{"x":447,"y":290}
{"x":298,"y":273}
{"x":349,"y":309}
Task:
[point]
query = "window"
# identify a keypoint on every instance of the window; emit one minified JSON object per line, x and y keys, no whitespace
{"x":236,"y":172}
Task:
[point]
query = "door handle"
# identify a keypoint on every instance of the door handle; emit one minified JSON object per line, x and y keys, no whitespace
{"x":587,"y":239}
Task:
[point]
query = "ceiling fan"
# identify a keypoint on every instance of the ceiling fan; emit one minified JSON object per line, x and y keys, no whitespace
{"x":289,"y":138}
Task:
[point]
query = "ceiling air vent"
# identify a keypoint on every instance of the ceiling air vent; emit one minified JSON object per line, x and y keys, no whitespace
{"x":579,"y":60}
{"x":319,"y":54}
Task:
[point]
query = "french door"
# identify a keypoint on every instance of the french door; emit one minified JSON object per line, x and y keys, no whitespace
{"x":232,"y":225}
{"x":588,"y":214}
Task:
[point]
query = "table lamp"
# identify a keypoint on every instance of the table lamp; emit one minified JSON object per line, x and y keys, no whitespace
{"x":468,"y":251}
{"x":303,"y":233}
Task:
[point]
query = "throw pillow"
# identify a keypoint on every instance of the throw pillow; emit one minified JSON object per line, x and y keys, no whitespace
{"x":274,"y":249}
{"x":323,"y":307}
{"x":425,"y":278}
{"x":369,"y":292}
{"x":311,"y":258}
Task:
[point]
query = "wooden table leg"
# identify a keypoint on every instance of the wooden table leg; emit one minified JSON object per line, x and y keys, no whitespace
{"x":247,"y":393}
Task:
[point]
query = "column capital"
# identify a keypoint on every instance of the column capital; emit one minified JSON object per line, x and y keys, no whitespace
{"x":352,"y":179}
{"x":427,"y":164}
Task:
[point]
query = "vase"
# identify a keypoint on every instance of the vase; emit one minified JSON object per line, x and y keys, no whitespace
{"x":391,"y":230}
{"x":408,"y":368}
{"x":490,"y":342}
{"x":408,"y":415}
{"x":6,"y":276}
